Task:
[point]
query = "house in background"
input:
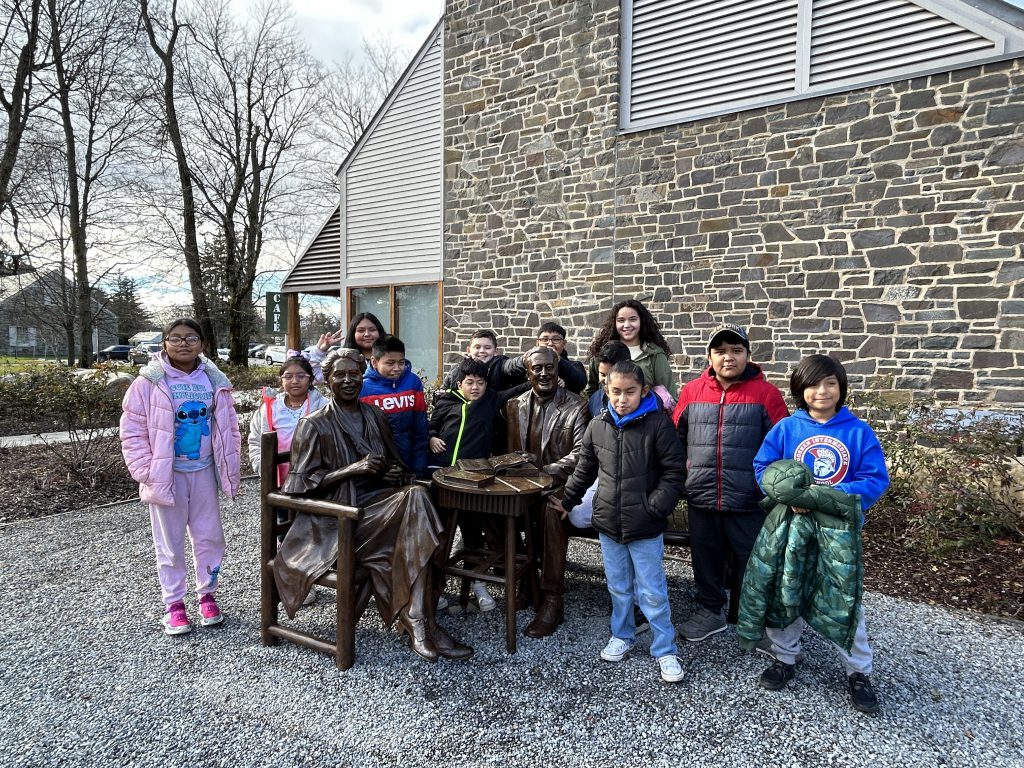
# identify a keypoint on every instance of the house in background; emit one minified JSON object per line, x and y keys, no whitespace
{"x":34,"y":316}
{"x":839,"y":177}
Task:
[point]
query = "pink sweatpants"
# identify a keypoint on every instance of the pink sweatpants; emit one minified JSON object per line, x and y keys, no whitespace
{"x":196,"y":510}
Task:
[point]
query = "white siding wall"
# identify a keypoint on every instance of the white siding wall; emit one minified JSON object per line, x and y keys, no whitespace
{"x":392,"y":186}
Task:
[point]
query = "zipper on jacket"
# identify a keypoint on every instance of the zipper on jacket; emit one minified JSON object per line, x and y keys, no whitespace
{"x":618,"y":474}
{"x":458,"y":440}
{"x":718,"y":452}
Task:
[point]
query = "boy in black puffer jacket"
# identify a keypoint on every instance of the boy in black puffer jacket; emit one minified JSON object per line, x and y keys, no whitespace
{"x":634,"y":451}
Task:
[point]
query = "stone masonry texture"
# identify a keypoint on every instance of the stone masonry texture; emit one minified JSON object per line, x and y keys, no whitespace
{"x":882,"y":225}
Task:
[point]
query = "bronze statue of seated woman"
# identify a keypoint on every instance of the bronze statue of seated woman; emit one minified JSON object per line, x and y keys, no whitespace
{"x":345,"y":452}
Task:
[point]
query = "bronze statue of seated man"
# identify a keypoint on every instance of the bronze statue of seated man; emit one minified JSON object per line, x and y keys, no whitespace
{"x":345,"y":453}
{"x":548,"y":422}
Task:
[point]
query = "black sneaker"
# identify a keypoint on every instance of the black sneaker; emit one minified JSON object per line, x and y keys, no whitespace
{"x":777,"y":675}
{"x":639,"y":620}
{"x":862,"y":695}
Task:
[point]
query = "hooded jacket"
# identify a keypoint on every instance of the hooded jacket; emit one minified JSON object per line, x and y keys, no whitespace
{"x":403,"y":401}
{"x":843,"y":453}
{"x":721,"y":431}
{"x":147,"y":433}
{"x":652,"y":361}
{"x":638,"y":463}
{"x":467,"y":426}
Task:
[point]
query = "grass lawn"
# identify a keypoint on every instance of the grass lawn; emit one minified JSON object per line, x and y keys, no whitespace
{"x":10,"y":364}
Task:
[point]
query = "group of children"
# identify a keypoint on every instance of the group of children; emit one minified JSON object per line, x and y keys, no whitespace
{"x":727,"y":426}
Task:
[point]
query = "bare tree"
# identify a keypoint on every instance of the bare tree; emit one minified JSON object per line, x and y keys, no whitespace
{"x":252,"y":90}
{"x":166,"y":32}
{"x":92,"y":46}
{"x":23,"y":46}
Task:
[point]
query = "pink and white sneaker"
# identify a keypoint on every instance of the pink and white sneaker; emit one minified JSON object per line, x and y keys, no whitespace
{"x":211,"y":613}
{"x":175,"y":620}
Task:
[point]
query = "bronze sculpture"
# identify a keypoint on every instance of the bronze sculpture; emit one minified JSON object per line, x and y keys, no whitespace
{"x":548,"y":422}
{"x":345,"y":452}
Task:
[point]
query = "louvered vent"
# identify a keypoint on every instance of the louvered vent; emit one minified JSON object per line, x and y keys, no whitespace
{"x":318,"y":269}
{"x":693,"y":56}
{"x":862,"y":40}
{"x":393,"y":192}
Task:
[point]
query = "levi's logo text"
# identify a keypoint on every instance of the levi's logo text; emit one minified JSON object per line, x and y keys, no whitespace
{"x":397,"y":403}
{"x":828,"y":458}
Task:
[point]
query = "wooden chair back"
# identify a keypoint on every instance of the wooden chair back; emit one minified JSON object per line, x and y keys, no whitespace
{"x":343,"y":579}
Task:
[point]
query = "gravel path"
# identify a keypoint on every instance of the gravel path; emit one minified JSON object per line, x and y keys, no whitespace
{"x":87,"y":678}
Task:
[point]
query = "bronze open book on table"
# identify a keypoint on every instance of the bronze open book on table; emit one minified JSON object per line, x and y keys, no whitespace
{"x":510,"y":464}
{"x":469,"y":479}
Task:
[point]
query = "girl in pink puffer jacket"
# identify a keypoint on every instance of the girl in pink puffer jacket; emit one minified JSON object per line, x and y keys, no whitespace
{"x":180,"y":440}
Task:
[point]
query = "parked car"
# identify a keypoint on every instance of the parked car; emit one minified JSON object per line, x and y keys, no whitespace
{"x":257,"y":350}
{"x":114,"y":352}
{"x":223,"y":353}
{"x":141,"y":353}
{"x":275,"y":354}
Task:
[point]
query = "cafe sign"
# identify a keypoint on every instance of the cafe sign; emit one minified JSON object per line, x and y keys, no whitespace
{"x":277,"y":312}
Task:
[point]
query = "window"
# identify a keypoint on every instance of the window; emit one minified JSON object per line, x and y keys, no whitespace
{"x":685,"y":60}
{"x":411,"y":312}
{"x":20,"y":337}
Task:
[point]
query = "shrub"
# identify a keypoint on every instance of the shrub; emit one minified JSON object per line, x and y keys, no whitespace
{"x":957,"y":477}
{"x":82,"y":403}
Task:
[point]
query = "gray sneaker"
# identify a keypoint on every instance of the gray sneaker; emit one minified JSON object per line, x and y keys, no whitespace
{"x":702,"y":624}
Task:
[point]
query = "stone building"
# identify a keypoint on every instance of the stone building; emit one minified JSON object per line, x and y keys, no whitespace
{"x":879,"y":223}
{"x":845,"y":178}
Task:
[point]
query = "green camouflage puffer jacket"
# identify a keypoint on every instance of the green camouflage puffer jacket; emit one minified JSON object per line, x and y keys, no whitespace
{"x":804,"y":565}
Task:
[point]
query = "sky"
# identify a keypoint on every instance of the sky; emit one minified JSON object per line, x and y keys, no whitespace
{"x":333,"y":27}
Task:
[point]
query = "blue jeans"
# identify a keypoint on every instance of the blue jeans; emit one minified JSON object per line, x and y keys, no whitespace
{"x":639,"y":565}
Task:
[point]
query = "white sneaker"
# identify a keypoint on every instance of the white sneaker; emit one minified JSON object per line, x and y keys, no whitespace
{"x":671,"y":668}
{"x":616,"y":649}
{"x":484,"y":601}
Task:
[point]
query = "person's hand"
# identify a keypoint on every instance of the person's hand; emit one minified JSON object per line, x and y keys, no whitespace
{"x":800,"y":511}
{"x":437,"y":445}
{"x":556,"y":504}
{"x":326,"y":340}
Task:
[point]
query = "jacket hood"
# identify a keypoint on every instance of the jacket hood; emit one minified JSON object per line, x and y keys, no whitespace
{"x":154,"y":371}
{"x":843,"y":416}
{"x":373,"y":375}
{"x":647,"y":405}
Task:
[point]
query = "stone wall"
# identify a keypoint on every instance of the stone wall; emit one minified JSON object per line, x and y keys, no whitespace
{"x":881,"y":225}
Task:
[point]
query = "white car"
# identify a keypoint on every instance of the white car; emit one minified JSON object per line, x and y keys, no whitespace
{"x":275,"y":354}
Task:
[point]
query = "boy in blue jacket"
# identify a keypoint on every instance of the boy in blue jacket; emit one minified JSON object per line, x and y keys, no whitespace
{"x":391,"y":385}
{"x":842,"y":452}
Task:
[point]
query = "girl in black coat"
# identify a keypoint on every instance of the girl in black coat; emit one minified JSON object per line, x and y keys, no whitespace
{"x":634,"y":452}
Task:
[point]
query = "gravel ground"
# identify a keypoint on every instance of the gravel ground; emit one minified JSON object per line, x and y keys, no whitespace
{"x":88,"y":678}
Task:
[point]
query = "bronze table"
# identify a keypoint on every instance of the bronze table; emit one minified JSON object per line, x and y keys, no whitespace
{"x":508,"y":497}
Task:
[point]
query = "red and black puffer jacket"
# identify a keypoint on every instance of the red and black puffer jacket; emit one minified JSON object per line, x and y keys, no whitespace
{"x":721,"y":431}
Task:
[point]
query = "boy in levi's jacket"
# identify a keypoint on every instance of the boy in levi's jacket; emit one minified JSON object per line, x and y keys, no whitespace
{"x":390,"y":384}
{"x":722,"y":417}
